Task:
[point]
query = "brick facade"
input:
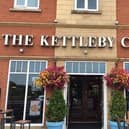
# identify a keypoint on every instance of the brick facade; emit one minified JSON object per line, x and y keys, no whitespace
{"x":59,"y":17}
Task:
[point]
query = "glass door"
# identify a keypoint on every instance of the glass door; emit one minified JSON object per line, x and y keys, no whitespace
{"x":85,"y":99}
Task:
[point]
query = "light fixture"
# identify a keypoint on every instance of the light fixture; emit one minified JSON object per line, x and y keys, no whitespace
{"x":85,"y":52}
{"x":21,"y":50}
{"x":55,"y":21}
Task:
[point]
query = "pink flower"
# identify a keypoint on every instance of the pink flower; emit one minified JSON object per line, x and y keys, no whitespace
{"x":117,"y":78}
{"x":53,"y":77}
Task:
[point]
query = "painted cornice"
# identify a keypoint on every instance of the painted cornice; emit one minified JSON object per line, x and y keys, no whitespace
{"x":66,"y":58}
{"x":52,"y":24}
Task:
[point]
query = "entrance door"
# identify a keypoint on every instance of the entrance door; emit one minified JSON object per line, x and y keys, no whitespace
{"x":85,"y":99}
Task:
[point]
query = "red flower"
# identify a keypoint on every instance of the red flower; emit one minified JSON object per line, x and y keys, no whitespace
{"x":53,"y":77}
{"x":117,"y":78}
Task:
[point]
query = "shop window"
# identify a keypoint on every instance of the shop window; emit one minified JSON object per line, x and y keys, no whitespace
{"x":26,"y":4}
{"x":83,"y":67}
{"x":86,"y":5}
{"x":24,"y":97}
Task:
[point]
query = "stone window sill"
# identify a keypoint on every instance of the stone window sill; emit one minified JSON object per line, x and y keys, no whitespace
{"x":85,"y":12}
{"x":25,"y":10}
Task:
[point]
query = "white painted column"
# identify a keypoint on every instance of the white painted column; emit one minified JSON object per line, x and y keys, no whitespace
{"x":105,"y":105}
{"x":65,"y":97}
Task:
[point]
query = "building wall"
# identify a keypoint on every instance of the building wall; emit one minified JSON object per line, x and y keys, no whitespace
{"x":86,"y":24}
{"x":3,"y":81}
{"x":46,"y":13}
{"x":105,"y":16}
{"x":101,"y":23}
{"x":35,"y":50}
{"x":90,"y":54}
{"x":13,"y":52}
{"x":122,"y":11}
{"x":123,"y":30}
{"x":25,"y":22}
{"x":122,"y":52}
{"x":68,"y":23}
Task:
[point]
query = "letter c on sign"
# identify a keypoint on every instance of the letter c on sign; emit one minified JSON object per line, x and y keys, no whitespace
{"x":124,"y":41}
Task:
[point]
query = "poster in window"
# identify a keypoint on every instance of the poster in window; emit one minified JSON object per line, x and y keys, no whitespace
{"x":34,"y":87}
{"x":35,"y":106}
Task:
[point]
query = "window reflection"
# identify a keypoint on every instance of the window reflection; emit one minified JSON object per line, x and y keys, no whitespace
{"x":16,"y":94}
{"x":34,"y":101}
{"x":80,"y":3}
{"x":23,"y":97}
{"x":92,"y":4}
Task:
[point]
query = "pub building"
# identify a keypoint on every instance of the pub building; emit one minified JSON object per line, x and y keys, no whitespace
{"x":82,"y":36}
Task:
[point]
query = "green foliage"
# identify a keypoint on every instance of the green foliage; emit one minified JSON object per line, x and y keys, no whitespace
{"x":118,"y":105}
{"x":56,"y":109}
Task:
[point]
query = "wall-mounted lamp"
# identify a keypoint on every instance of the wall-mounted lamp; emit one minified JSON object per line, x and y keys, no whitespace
{"x":116,"y":22}
{"x":55,"y":21}
{"x":85,"y":52}
{"x":21,"y":50}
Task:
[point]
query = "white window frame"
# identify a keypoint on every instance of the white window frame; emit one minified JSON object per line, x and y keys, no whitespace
{"x":86,"y":6}
{"x":25,"y":5}
{"x":27,"y":73}
{"x":125,"y":63}
{"x":85,"y":73}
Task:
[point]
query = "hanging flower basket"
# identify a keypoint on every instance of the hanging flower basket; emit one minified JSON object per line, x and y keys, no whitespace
{"x":52,"y":77}
{"x":118,"y":78}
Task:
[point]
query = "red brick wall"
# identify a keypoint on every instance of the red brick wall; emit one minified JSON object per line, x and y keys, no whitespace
{"x":123,"y":11}
{"x":121,"y":51}
{"x":3,"y":80}
{"x":47,"y":14}
{"x":122,"y":17}
{"x":35,"y":50}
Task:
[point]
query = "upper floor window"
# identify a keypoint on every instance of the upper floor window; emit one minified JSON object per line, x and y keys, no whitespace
{"x":89,"y":5}
{"x":29,"y":4}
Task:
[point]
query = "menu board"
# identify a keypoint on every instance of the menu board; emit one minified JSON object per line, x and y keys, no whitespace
{"x":35,"y":106}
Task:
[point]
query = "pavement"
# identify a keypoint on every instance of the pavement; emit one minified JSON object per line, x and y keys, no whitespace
{"x":85,"y":126}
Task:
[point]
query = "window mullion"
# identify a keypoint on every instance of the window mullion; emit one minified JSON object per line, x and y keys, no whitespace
{"x":75,"y":6}
{"x":26,"y":3}
{"x":34,"y":68}
{"x":85,"y":67}
{"x":26,"y":91}
{"x":21,"y":67}
{"x":97,"y":6}
{"x":86,"y":4}
{"x":38,"y":4}
{"x":15,"y":2}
